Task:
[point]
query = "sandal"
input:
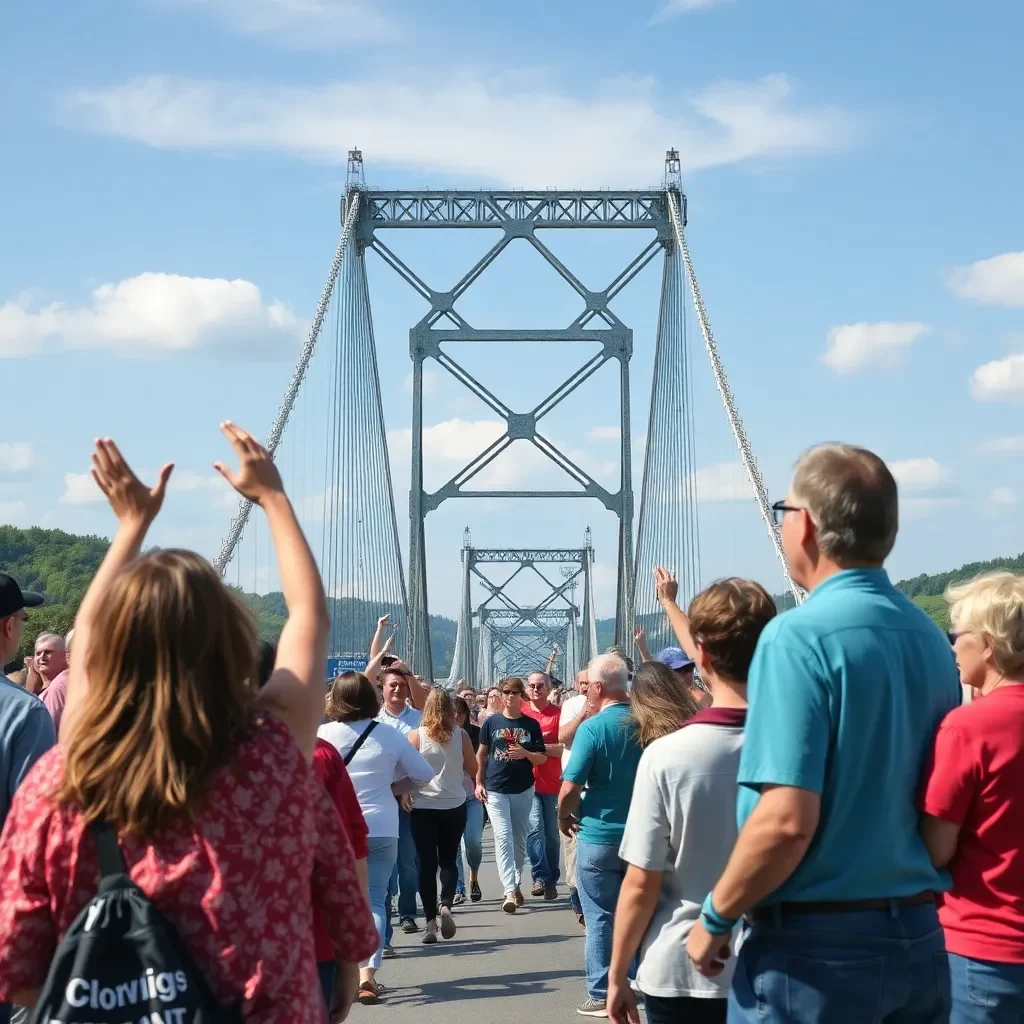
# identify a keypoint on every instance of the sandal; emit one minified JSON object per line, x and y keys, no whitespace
{"x":370,"y":993}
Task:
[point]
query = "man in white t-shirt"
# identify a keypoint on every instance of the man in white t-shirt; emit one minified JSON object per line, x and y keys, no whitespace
{"x":682,"y":816}
{"x":575,"y":711}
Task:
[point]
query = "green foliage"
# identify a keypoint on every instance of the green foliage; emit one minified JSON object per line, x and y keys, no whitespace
{"x":936,"y":609}
{"x":935,"y":586}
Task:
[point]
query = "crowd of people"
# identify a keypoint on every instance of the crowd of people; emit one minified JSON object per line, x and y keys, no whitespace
{"x":810,"y":817}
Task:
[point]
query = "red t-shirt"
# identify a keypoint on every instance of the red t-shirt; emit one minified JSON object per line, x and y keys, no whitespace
{"x":975,"y":779}
{"x":331,"y":771}
{"x":235,"y":883}
{"x":547,"y":777}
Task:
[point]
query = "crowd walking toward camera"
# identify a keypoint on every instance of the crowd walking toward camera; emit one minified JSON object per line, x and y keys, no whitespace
{"x":814,"y":816}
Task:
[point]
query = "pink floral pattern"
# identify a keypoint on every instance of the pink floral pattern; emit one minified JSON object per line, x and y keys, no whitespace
{"x":236,"y":884}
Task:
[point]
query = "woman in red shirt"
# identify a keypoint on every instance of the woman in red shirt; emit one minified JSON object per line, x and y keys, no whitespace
{"x":973,"y":803}
{"x":204,"y":777}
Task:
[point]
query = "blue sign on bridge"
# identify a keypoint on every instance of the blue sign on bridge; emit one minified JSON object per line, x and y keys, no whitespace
{"x":346,"y":663}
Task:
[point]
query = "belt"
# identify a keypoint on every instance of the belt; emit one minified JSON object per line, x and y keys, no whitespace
{"x":768,"y":913}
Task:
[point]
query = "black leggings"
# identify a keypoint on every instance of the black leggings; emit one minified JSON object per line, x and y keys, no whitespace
{"x":437,"y":835}
{"x":684,"y":1010}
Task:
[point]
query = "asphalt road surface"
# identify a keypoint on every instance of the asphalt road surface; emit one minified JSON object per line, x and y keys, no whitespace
{"x":498,"y":968}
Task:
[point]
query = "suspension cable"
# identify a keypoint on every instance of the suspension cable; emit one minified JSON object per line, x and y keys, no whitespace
{"x":294,"y":385}
{"x":746,"y":453}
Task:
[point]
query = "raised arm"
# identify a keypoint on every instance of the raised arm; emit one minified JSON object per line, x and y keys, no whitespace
{"x":295,"y":691}
{"x":640,"y":637}
{"x":136,"y":506}
{"x":668,"y":589}
{"x":377,"y":643}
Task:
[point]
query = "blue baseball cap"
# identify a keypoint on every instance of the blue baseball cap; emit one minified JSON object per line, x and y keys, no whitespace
{"x":675,"y":658}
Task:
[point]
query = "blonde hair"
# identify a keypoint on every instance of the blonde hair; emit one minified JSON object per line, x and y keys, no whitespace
{"x":660,"y":702}
{"x":171,"y":675}
{"x":438,"y":720}
{"x":992,"y":605}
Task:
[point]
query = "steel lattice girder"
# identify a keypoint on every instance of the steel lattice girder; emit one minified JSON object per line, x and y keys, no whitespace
{"x":517,"y":215}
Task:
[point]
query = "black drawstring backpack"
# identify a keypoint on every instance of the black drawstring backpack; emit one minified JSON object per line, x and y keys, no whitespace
{"x":123,"y":962}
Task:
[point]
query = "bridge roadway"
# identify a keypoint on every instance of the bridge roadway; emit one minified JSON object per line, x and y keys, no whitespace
{"x":499,"y":967}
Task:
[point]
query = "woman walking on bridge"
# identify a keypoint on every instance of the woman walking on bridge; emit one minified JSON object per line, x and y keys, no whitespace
{"x":439,"y":808}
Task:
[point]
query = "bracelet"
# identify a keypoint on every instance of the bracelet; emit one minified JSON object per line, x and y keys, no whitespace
{"x":713,"y":921}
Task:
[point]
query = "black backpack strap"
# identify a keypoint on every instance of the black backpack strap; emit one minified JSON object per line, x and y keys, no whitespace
{"x":359,"y":742}
{"x":108,"y":853}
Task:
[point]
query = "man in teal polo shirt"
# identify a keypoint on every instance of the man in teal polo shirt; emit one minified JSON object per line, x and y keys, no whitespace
{"x":846,"y":692}
{"x":602,"y":772}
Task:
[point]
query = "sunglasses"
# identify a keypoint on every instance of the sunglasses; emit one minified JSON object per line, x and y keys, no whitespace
{"x":512,"y":693}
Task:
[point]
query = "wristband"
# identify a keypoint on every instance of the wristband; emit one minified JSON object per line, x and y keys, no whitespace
{"x":713,"y":921}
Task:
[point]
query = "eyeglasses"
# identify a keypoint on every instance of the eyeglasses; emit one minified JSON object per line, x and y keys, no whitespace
{"x":512,"y":693}
{"x":780,"y":508}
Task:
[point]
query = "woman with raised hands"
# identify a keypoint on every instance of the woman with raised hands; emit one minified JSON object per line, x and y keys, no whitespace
{"x":203,"y":776}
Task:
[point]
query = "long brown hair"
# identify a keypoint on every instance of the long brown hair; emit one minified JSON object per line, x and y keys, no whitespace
{"x":438,"y":720}
{"x":352,"y":698}
{"x":660,"y":702}
{"x":171,"y":673}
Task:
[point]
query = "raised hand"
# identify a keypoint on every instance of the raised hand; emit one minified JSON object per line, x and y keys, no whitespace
{"x":131,"y":500}
{"x":257,"y":477}
{"x":639,"y":635}
{"x":383,"y":621}
{"x":666,"y":585}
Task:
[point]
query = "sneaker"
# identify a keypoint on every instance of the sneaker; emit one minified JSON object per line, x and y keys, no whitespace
{"x":538,"y":889}
{"x":460,"y":897}
{"x":509,"y":904}
{"x":550,"y":892}
{"x":518,"y":896}
{"x":474,"y":892}
{"x":409,"y":926}
{"x":593,"y":1008}
{"x":447,"y":924}
{"x":388,"y":953}
{"x":429,"y":937}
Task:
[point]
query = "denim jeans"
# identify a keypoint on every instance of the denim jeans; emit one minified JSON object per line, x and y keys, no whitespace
{"x":599,"y":875}
{"x":510,"y":820}
{"x":857,"y":967}
{"x":380,"y":861}
{"x":986,"y":992}
{"x":472,"y":842}
{"x":405,"y":877}
{"x":542,"y":842}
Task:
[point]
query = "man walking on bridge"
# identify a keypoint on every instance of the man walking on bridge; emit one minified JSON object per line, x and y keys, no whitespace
{"x":846,"y":692}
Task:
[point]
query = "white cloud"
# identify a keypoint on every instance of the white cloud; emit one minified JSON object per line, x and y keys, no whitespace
{"x":1002,"y":380}
{"x":1003,"y":497}
{"x":600,"y":434}
{"x":998,"y":281}
{"x":854,"y":347}
{"x":915,"y":476}
{"x":1011,"y":445}
{"x":517,"y":129}
{"x":154,"y":313}
{"x":723,"y":481}
{"x":16,"y":456}
{"x":675,"y":8}
{"x":81,"y":489}
{"x":13,"y":513}
{"x":299,"y":24}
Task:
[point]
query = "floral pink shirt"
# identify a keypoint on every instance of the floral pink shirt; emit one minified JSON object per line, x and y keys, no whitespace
{"x":236,"y":884}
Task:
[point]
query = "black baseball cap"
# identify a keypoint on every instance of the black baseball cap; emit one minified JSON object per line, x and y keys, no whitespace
{"x":13,"y":598}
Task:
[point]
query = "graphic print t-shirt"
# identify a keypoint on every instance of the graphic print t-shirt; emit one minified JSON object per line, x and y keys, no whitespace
{"x":503,"y":774}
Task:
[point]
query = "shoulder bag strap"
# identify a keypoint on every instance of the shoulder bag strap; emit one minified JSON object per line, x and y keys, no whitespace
{"x":359,"y":742}
{"x":108,"y":853}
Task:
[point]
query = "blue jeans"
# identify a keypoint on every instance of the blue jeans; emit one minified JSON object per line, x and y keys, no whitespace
{"x":857,"y":967}
{"x":472,"y":841}
{"x":328,"y":971}
{"x":986,"y":992}
{"x":600,"y":872}
{"x":405,"y":878}
{"x":380,"y":861}
{"x":542,"y":842}
{"x":510,"y":821}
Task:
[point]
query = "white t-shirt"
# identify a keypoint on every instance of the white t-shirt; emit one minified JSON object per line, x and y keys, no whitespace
{"x":445,"y":791}
{"x":570,"y":709}
{"x":386,"y":756}
{"x":682,"y":821}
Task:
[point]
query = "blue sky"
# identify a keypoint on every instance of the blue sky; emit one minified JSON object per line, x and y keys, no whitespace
{"x":853,"y":181}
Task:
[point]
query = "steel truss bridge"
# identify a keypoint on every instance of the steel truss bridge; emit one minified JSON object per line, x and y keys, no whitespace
{"x":360,"y":553}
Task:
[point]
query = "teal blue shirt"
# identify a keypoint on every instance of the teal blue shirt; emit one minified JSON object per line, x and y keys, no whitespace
{"x":846,"y":692}
{"x":605,"y":754}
